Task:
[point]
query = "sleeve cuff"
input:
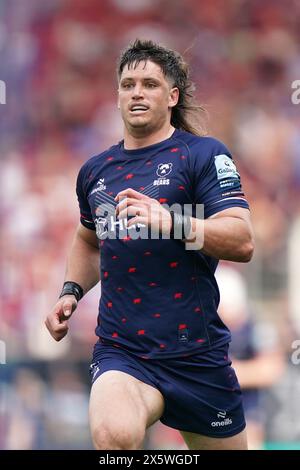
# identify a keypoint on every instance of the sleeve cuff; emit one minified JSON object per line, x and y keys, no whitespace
{"x":225,"y":204}
{"x":87,"y":223}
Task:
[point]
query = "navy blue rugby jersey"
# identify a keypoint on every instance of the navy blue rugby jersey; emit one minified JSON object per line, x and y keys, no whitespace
{"x":157,"y":298}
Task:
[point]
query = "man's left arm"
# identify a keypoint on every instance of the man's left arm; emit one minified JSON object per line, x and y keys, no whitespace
{"x":226,"y":235}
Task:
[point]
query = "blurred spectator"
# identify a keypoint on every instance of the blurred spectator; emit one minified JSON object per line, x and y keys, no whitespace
{"x":29,"y":397}
{"x":68,"y":427}
{"x":25,"y":412}
{"x":254,"y":350}
{"x":60,"y":110}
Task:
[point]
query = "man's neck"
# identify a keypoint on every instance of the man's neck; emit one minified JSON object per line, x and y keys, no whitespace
{"x":132,"y":142}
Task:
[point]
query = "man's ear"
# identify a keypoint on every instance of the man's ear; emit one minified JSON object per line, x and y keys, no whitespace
{"x":173,"y":97}
{"x":118,"y":103}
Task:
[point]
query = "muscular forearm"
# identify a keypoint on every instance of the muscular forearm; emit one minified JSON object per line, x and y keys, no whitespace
{"x":83,"y":268}
{"x":228,"y":238}
{"x":83,"y":263}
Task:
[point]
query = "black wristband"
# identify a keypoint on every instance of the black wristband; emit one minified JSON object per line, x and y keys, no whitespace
{"x":72,"y":288}
{"x":181,"y":226}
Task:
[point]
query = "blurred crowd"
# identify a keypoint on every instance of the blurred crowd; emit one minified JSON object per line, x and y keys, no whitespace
{"x":58,"y":63}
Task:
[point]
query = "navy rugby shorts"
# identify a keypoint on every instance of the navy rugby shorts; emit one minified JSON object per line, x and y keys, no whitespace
{"x":201,"y":392}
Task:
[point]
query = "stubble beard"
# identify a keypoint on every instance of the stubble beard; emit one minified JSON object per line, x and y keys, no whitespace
{"x":143,"y":128}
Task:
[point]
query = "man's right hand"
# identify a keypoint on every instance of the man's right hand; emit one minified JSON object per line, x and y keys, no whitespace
{"x":57,"y":320}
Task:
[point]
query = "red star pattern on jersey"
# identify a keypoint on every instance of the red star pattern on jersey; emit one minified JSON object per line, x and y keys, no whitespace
{"x":115,"y":335}
{"x":178,"y":295}
{"x":174,"y":264}
{"x":150,"y":264}
{"x":132,"y":269}
{"x":141,"y":332}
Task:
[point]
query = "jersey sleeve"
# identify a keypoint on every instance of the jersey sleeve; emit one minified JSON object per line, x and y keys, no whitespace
{"x":216,"y":179}
{"x":86,"y":217}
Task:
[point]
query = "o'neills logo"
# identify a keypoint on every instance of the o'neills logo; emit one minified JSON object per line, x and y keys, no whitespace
{"x":225,"y":421}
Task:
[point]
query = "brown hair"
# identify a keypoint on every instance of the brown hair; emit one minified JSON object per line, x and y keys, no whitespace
{"x":186,"y":115}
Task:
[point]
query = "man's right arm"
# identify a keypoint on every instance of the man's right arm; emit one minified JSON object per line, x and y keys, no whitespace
{"x":83,"y":267}
{"x":84,"y":259}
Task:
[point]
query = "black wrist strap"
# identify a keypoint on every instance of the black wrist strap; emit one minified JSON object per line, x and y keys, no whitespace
{"x":72,"y":288}
{"x":181,"y":226}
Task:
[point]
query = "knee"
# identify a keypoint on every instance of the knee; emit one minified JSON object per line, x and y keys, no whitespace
{"x":117,"y":437}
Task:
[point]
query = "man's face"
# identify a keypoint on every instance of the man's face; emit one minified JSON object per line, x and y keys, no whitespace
{"x":146,"y":98}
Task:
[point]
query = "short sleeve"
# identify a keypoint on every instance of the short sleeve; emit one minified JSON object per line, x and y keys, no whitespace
{"x":86,"y":217}
{"x":216,"y":178}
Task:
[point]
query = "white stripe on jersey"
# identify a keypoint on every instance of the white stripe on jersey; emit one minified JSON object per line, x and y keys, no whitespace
{"x":227,"y":199}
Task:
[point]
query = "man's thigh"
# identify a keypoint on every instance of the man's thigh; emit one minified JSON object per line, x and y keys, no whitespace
{"x":200,"y":442}
{"x":117,"y":398}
